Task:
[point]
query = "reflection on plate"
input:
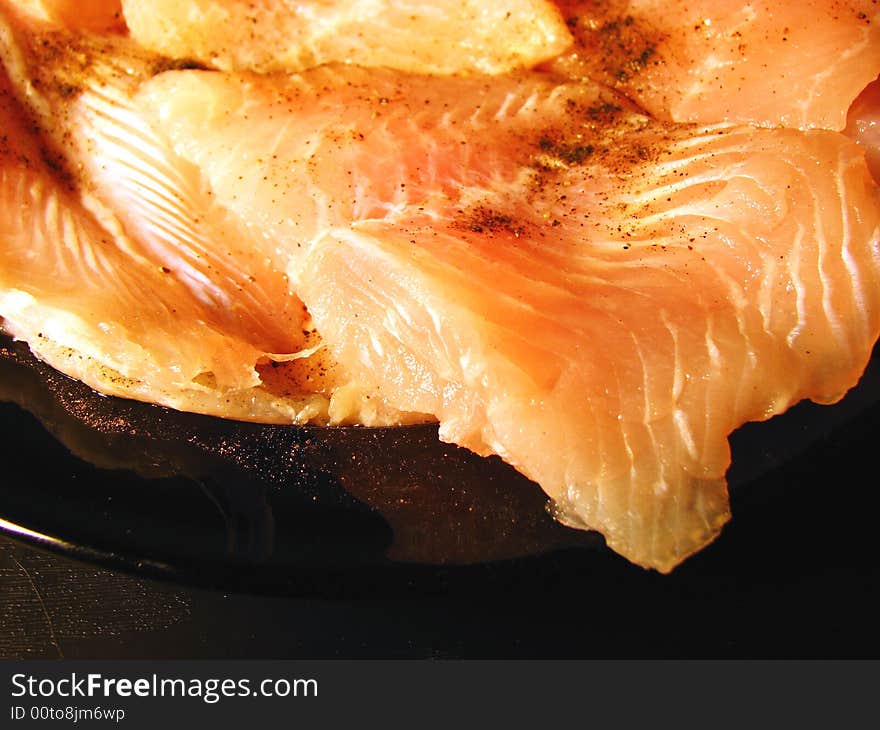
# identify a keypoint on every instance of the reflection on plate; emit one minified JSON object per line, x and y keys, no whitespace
{"x":273,"y":508}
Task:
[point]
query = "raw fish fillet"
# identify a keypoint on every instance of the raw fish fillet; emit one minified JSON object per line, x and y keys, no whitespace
{"x":796,"y":63}
{"x":201,"y":316}
{"x":594,"y":295}
{"x":83,"y":297}
{"x":438,"y":38}
{"x":597,"y":297}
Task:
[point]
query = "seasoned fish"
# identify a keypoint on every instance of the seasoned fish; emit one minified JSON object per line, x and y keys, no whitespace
{"x":464,"y":36}
{"x":86,"y":300}
{"x":221,"y":330}
{"x":793,"y":63}
{"x":597,"y":297}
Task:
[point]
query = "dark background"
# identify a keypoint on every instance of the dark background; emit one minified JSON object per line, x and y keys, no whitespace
{"x":173,"y":536}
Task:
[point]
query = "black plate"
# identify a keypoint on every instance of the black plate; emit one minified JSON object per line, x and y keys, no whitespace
{"x":329,"y":511}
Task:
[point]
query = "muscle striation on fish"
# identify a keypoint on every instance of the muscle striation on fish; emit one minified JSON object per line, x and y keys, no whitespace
{"x":795,"y":63}
{"x":596,"y":294}
{"x":597,"y":297}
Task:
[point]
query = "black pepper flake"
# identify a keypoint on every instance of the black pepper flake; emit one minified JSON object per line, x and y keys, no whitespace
{"x":482,"y":219}
{"x":571,"y":154}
